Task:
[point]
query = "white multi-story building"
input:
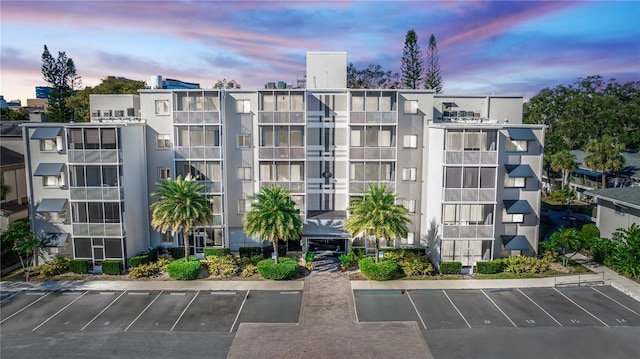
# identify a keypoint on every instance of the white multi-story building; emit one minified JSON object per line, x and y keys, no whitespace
{"x":465,"y":167}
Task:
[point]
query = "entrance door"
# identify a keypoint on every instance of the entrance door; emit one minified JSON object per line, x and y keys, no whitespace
{"x":198,"y":242}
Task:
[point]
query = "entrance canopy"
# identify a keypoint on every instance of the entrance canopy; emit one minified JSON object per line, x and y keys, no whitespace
{"x":324,"y":228}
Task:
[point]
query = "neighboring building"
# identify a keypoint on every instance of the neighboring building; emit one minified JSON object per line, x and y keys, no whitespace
{"x":13,"y":205}
{"x":157,"y":82}
{"x":34,"y":104}
{"x":42,"y":92}
{"x":618,"y":208}
{"x":3,"y":102}
{"x":465,"y":167}
{"x":14,"y":103}
{"x":584,"y":179}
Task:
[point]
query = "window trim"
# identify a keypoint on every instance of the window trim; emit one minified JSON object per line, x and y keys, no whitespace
{"x":411,"y":102}
{"x":408,"y":138}
{"x":243,"y":144}
{"x":164,"y":173}
{"x":165,"y":138}
{"x":512,"y":218}
{"x":410,"y":174}
{"x":244,"y":171}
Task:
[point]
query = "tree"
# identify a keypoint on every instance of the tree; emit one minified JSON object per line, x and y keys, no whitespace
{"x":109,"y":85}
{"x":9,"y":114}
{"x":589,"y":234}
{"x":273,"y":217}
{"x":625,"y":257}
{"x":224,"y":84}
{"x":61,"y":75}
{"x":433,"y":77}
{"x":605,"y":156}
{"x":372,"y":77}
{"x":19,"y":237}
{"x":412,"y":65}
{"x":565,"y":162}
{"x":181,"y":207}
{"x":377,"y":214}
{"x":566,"y":239}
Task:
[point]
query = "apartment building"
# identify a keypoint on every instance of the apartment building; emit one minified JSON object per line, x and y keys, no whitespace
{"x":465,"y":167}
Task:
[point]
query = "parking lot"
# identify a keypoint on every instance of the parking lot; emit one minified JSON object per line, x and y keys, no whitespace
{"x":494,"y":308}
{"x":144,"y":311}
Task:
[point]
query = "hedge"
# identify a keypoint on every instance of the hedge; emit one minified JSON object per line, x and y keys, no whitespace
{"x":250,"y":251}
{"x":450,"y":267}
{"x":491,"y":267}
{"x":145,"y":258}
{"x":402,"y":251}
{"x":181,"y":270}
{"x":176,"y":252}
{"x":218,"y":252}
{"x":112,"y":267}
{"x":80,"y":266}
{"x":286,"y":268}
{"x":384,"y":270}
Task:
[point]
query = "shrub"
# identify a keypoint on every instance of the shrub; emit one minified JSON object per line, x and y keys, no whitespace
{"x":112,"y":267}
{"x":222,"y":266}
{"x":601,"y":249}
{"x":286,"y":268}
{"x":144,"y":270}
{"x":176,"y":252}
{"x":55,"y":267}
{"x":491,"y":267}
{"x":384,"y":270}
{"x":163,"y":262}
{"x":414,"y":265}
{"x":521,"y":264}
{"x":249,"y":251}
{"x":80,"y":266}
{"x":220,"y":252}
{"x":253,"y":260}
{"x":266,"y":251}
{"x":404,"y":251}
{"x":181,"y":270}
{"x":249,"y":270}
{"x":144,"y":258}
{"x":309,"y":258}
{"x":450,"y":267}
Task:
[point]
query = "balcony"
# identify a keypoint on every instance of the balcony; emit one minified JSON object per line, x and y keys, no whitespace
{"x":281,"y":153}
{"x":196,"y":117}
{"x":469,"y":195}
{"x":97,"y":229}
{"x":185,"y":152}
{"x":372,"y":153}
{"x":280,"y":117}
{"x":95,"y":193}
{"x":294,"y":187}
{"x":584,"y":182}
{"x":374,"y":117}
{"x":457,"y":231}
{"x":471,"y":157}
{"x":358,"y":187}
{"x":94,"y":156}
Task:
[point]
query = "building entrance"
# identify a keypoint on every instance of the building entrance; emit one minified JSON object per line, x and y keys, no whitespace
{"x":336,"y":245}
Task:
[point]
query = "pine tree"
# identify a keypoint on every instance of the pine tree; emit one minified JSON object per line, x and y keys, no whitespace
{"x":412,"y":65}
{"x":61,"y":75}
{"x":433,"y":77}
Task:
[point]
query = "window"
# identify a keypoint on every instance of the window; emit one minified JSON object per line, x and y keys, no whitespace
{"x":162,"y":107}
{"x":453,"y":177}
{"x":118,"y":113}
{"x":167,"y":237}
{"x":410,"y":205}
{"x":244,"y":205}
{"x":409,"y":174}
{"x":243,"y":106}
{"x":163,"y":141}
{"x":410,"y":141}
{"x":454,"y":141}
{"x":517,"y":146}
{"x":516,"y":182}
{"x":357,"y":103}
{"x":411,"y":107}
{"x":296,"y":136}
{"x":244,"y":173}
{"x":164,"y":173}
{"x":512,"y":218}
{"x":356,"y":137}
{"x":51,"y":145}
{"x":108,"y":138}
{"x":52,"y":181}
{"x":411,"y":238}
{"x":91,"y":139}
{"x":244,"y":141}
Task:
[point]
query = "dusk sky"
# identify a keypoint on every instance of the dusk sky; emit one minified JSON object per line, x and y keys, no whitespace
{"x":485,"y":47}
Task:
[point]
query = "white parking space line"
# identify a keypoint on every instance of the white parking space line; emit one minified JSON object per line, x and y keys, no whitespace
{"x":102,"y":311}
{"x":239,"y":311}
{"x":58,"y":312}
{"x":355,"y":310}
{"x":622,"y":305}
{"x":184,"y":311}
{"x":579,"y":306}
{"x":503,"y":313}
{"x":30,"y":304}
{"x":144,"y":310}
{"x":416,"y":309}
{"x":456,"y":308}
{"x":539,"y":307}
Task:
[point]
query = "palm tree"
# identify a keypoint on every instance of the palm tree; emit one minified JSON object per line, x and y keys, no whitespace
{"x":378,"y":215}
{"x":566,"y":239}
{"x":564,"y":161}
{"x":605,"y":156}
{"x":273,"y":217}
{"x":181,"y":207}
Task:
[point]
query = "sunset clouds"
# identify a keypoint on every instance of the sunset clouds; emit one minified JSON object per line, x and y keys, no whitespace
{"x":501,"y":47}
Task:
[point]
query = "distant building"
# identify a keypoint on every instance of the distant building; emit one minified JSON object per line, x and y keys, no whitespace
{"x":14,"y":103}
{"x":618,"y":208}
{"x":3,"y":103}
{"x":14,"y":204}
{"x":584,"y":179}
{"x":37,"y":103}
{"x":42,"y":92}
{"x":158,"y":83}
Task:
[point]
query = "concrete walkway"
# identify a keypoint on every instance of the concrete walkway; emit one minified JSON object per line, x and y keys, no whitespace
{"x":327,"y":327}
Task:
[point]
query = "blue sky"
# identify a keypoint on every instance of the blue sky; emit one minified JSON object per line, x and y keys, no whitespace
{"x":501,"y":47}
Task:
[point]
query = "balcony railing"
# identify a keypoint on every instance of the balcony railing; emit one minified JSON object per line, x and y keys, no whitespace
{"x":294,"y":187}
{"x":94,"y":156}
{"x":372,"y":153}
{"x":471,"y":157}
{"x":358,"y":187}
{"x":95,"y":193}
{"x":469,"y":195}
{"x":279,"y":153}
{"x":452,"y":231}
{"x":280,"y":117}
{"x":97,"y":229}
{"x":374,"y":117}
{"x":583,"y":182}
{"x":184,"y":152}
{"x":196,"y":117}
